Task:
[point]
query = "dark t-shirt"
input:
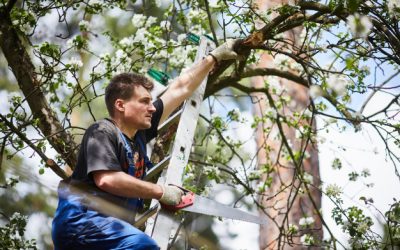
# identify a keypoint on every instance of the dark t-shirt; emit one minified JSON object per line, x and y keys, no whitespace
{"x":102,"y":148}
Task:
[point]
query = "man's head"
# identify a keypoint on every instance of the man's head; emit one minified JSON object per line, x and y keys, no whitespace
{"x":122,"y":86}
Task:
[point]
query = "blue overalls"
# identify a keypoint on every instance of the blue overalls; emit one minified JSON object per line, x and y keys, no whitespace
{"x":75,"y":226}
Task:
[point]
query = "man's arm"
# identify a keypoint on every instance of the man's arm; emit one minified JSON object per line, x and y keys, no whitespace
{"x":183,"y":86}
{"x":122,"y":184}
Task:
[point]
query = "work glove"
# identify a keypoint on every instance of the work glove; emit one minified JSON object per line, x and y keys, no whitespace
{"x":172,"y":195}
{"x":225,"y":51}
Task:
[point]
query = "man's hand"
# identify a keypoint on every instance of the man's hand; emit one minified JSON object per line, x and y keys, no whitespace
{"x":225,"y":51}
{"x":172,"y":195}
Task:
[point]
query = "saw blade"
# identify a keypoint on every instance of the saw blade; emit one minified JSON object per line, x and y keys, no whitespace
{"x":207,"y":206}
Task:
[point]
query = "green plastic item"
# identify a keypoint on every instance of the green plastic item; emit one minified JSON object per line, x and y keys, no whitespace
{"x":159,"y":76}
{"x":193,"y":38}
{"x":196,"y":39}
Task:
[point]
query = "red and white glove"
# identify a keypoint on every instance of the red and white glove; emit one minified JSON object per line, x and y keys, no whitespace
{"x":225,"y":51}
{"x":172,"y":195}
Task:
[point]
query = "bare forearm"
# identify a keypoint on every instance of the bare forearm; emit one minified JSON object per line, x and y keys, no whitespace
{"x":192,"y":78}
{"x":122,"y":184}
{"x":185,"y":85}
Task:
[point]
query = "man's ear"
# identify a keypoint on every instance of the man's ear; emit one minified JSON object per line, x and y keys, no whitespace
{"x":119,"y":105}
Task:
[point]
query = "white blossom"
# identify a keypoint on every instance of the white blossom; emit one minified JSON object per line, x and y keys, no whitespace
{"x":289,"y":142}
{"x":274,"y":83}
{"x":298,"y":133}
{"x":272,"y":113}
{"x":235,"y":114}
{"x":213,"y":4}
{"x":315,"y":91}
{"x":120,"y":54}
{"x":105,"y":55}
{"x":393,"y":7}
{"x":358,"y":116}
{"x":360,"y":26}
{"x":193,"y":13}
{"x":162,"y":54}
{"x":150,"y":21}
{"x":366,"y":172}
{"x":196,"y":14}
{"x":366,"y":69}
{"x":369,"y":4}
{"x":337,"y":83}
{"x":140,"y":36}
{"x":158,"y":3}
{"x":212,"y":170}
{"x":306,"y":221}
{"x":308,"y":178}
{"x":92,"y":2}
{"x":333,"y":190}
{"x":363,"y":227}
{"x":75,"y":62}
{"x":255,"y":174}
{"x":84,"y":25}
{"x":70,"y":43}
{"x":281,"y":60}
{"x":292,"y":229}
{"x":165,"y":24}
{"x":307,"y":239}
{"x":181,"y":38}
{"x":138,"y":20}
{"x":126,"y":41}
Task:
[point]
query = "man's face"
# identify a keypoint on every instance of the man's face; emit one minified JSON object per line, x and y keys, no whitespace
{"x":139,"y":109}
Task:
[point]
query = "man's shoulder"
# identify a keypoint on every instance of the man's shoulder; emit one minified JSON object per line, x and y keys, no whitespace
{"x":103,"y":125}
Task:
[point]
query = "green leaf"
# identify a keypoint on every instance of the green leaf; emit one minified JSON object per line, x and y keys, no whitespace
{"x":353,"y":5}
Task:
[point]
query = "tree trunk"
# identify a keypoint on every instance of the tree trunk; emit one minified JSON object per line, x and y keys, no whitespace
{"x":24,"y":71}
{"x":288,"y":199}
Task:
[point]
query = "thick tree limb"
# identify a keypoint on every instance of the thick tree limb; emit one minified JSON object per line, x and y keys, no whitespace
{"x":24,"y":71}
{"x":229,"y":80}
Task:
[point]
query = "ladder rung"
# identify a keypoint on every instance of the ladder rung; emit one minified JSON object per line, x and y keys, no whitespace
{"x":143,"y":217}
{"x":170,"y":121}
{"x":157,"y":168}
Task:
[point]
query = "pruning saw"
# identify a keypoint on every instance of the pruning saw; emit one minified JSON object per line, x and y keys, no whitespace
{"x":194,"y":203}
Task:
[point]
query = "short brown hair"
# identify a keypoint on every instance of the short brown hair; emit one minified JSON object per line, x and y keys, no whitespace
{"x":122,"y":86}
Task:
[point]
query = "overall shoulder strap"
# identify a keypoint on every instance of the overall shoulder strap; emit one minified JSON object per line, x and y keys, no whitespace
{"x":128,"y":152}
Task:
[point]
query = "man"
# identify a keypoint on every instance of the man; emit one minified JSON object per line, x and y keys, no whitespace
{"x":112,"y":162}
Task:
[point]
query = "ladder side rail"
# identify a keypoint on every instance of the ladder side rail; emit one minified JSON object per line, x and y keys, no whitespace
{"x":166,"y":222}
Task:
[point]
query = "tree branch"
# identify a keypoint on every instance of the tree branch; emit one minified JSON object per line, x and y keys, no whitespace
{"x":49,"y":162}
{"x":210,"y":22}
{"x":232,"y":81}
{"x":275,"y":72}
{"x":10,"y":5}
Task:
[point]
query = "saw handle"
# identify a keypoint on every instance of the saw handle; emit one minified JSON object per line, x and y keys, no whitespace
{"x":186,"y":201}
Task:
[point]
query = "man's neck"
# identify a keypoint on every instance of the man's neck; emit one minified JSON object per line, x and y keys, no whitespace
{"x":125,"y":128}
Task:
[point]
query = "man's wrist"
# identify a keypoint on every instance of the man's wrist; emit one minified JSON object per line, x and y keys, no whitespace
{"x":159,"y":191}
{"x":213,"y":58}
